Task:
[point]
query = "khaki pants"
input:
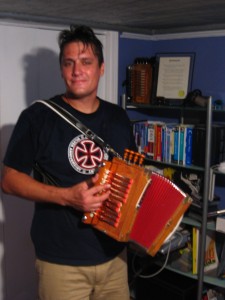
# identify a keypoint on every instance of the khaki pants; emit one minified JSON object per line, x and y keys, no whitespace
{"x":106,"y":281}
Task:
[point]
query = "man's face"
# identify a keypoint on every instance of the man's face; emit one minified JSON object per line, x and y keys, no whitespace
{"x":80,"y":70}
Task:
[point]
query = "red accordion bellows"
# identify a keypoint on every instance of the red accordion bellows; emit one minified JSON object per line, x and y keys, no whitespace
{"x":162,"y":207}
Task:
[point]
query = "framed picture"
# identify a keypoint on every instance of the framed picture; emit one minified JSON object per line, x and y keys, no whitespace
{"x":173,"y":77}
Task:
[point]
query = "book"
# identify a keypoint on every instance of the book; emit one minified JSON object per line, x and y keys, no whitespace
{"x":148,"y":138}
{"x":139,"y":131}
{"x":168,"y":142}
{"x":195,"y":249}
{"x":221,"y":267}
{"x":164,"y":145}
{"x":183,"y":144}
{"x":175,"y":157}
{"x":188,"y":140}
{"x":220,"y":223}
{"x":211,"y":260}
{"x":158,"y":141}
{"x":181,"y":147}
{"x":151,"y":140}
{"x":172,"y":143}
{"x":211,"y":257}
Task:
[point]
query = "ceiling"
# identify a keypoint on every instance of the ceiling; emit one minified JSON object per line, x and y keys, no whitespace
{"x":139,"y":16}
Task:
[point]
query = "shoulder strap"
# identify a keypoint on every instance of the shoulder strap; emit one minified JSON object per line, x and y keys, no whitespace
{"x":69,"y":118}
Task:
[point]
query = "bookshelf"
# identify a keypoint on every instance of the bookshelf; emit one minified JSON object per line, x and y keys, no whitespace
{"x":182,"y":112}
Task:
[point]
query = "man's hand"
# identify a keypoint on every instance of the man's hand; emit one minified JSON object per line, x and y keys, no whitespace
{"x":85,"y":196}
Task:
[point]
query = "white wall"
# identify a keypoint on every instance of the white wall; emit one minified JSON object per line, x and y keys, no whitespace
{"x":29,"y":70}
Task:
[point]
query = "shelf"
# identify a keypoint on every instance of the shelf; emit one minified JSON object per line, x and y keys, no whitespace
{"x":192,"y":222}
{"x":207,"y":279}
{"x":172,"y":107}
{"x":191,"y":167}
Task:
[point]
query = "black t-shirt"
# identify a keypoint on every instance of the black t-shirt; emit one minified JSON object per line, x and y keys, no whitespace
{"x":64,"y":153}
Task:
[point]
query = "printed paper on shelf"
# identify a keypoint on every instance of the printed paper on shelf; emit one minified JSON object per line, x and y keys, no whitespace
{"x":211,"y":258}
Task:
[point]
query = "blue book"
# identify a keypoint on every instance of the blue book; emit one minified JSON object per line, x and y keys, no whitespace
{"x":176,"y":145}
{"x":169,"y":142}
{"x":188,"y":146}
{"x":181,"y":144}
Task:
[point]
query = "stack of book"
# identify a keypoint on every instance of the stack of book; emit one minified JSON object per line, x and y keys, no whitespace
{"x":166,"y":142}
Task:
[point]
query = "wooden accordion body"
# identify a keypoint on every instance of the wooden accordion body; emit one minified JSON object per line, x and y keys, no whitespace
{"x":143,"y":208}
{"x":140,"y":82}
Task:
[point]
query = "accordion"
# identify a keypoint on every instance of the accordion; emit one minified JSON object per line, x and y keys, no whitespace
{"x":139,"y":82}
{"x":144,"y":207}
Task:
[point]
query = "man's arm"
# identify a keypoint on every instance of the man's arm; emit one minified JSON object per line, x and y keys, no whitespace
{"x":83,"y":196}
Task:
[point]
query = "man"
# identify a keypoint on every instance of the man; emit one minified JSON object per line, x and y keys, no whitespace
{"x":74,"y":261}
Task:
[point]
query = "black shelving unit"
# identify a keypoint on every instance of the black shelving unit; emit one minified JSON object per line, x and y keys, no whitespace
{"x":183,"y":112}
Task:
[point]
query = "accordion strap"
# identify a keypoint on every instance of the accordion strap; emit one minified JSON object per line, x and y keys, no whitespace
{"x":69,"y":118}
